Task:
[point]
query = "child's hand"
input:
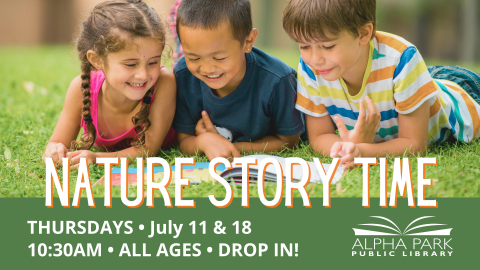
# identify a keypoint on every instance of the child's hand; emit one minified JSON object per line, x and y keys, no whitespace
{"x":366,"y":126}
{"x":56,"y":151}
{"x":76,"y":155}
{"x":348,"y":151}
{"x":205,"y":125}
{"x":215,"y":145}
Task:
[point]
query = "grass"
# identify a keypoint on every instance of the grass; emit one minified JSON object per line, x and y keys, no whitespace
{"x":28,"y":118}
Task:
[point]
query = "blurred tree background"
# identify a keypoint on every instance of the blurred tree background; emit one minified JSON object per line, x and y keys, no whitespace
{"x":441,"y":29}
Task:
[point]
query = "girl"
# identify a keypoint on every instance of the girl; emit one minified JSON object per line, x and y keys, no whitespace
{"x":124,"y":99}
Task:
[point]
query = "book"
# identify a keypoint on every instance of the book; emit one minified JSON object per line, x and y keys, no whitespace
{"x":235,"y":173}
{"x":199,"y":173}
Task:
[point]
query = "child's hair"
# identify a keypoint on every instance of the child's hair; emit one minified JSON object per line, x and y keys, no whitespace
{"x":111,"y":27}
{"x":209,"y":14}
{"x":307,"y":20}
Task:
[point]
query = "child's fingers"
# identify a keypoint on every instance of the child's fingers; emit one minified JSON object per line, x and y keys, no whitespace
{"x":374,"y":106}
{"x":347,"y":158}
{"x":361,"y":113}
{"x":336,"y":147}
{"x":75,"y":160}
{"x":60,"y":151}
{"x":208,"y":123}
{"x":235,"y":152}
{"x":57,"y":152}
{"x":342,"y":129}
{"x":349,"y":165}
{"x":59,"y":155}
{"x":73,"y":154}
{"x":74,"y":166}
{"x":54,"y":156}
{"x":349,"y":148}
{"x":200,"y":127}
{"x":60,"y":158}
{"x":377,"y":126}
{"x":373,"y":112}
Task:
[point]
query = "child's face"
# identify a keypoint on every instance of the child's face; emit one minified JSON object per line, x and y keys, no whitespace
{"x":215,"y":56}
{"x":337,"y":56}
{"x":134,"y":70}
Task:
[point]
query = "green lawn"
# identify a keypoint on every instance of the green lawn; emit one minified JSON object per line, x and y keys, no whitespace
{"x":28,"y":118}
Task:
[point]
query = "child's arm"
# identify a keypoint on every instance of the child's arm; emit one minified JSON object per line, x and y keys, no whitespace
{"x":211,"y":144}
{"x":160,"y":116}
{"x":68,"y":124}
{"x":321,"y":129}
{"x":412,"y":139}
{"x":266,"y":144}
{"x":412,"y":136}
{"x":321,"y":133}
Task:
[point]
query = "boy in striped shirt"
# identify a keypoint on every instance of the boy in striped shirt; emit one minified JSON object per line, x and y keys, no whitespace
{"x":345,"y":63}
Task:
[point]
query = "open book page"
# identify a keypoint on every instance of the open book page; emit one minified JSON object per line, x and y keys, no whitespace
{"x":199,"y":172}
{"x":270,"y":174}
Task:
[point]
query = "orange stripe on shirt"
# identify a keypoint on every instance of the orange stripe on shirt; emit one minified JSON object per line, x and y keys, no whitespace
{"x":471,"y":108}
{"x":435,"y":107}
{"x":381,"y":74}
{"x":310,"y":105}
{"x":391,"y":42}
{"x":420,"y":94}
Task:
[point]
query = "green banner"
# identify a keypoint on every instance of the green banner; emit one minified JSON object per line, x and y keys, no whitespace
{"x":345,"y":235}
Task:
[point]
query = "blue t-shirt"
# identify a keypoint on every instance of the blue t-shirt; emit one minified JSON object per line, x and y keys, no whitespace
{"x":263,"y":104}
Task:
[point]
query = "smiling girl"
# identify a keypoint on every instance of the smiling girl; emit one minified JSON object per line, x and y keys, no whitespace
{"x":124,"y":100}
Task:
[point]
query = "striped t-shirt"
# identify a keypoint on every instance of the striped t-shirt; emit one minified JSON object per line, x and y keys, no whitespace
{"x":397,"y":80}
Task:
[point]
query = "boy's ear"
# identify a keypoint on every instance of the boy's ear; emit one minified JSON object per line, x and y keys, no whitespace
{"x":95,"y":59}
{"x":250,"y":41}
{"x":366,"y":33}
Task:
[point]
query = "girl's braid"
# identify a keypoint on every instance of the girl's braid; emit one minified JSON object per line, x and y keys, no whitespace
{"x":141,"y":121}
{"x":89,"y":137}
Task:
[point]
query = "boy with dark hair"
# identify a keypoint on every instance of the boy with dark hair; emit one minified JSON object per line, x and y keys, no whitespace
{"x":345,"y":63}
{"x":231,"y":96}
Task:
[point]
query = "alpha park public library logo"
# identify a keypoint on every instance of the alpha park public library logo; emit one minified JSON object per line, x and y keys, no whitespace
{"x":413,"y":241}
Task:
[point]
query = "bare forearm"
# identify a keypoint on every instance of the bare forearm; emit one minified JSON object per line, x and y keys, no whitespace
{"x":65,"y":141}
{"x":189,"y":146}
{"x":131,"y":152}
{"x":324,"y":142}
{"x":395,"y":147}
{"x":266,"y":144}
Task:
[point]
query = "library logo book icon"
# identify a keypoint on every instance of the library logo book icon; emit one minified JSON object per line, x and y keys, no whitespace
{"x":407,"y":231}
{"x":417,"y":239}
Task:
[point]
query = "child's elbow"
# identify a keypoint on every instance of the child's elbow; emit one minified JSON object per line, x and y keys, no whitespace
{"x":147,"y":151}
{"x":291,"y":141}
{"x":418,"y":148}
{"x":290,"y":145}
